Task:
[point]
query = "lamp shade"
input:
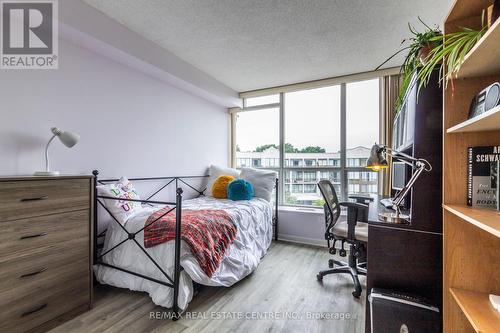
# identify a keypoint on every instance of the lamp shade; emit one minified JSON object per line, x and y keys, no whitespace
{"x":69,"y":139}
{"x":376,"y":161}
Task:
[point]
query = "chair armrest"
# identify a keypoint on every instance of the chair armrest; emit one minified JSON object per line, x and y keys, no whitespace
{"x":361,"y":198}
{"x":353,"y":204}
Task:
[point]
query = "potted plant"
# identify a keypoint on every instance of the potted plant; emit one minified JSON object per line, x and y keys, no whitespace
{"x":419,"y":47}
{"x":450,"y":55}
{"x":431,"y":49}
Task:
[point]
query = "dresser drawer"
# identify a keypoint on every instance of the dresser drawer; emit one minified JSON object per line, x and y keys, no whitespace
{"x":44,"y":303}
{"x":55,"y":277}
{"x":39,"y":269}
{"x":38,"y":235}
{"x":26,"y":198}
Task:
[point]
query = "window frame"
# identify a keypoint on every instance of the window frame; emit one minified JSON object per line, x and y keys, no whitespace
{"x":342,"y":168}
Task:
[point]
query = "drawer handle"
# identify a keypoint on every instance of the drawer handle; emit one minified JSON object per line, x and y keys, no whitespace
{"x":43,"y":269}
{"x":43,"y":197}
{"x":38,"y":308}
{"x":34,"y":236}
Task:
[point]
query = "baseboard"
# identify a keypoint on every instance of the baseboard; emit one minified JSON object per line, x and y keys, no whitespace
{"x":302,"y":240}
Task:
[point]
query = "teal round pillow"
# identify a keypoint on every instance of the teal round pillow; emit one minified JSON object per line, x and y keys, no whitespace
{"x":240,"y":189}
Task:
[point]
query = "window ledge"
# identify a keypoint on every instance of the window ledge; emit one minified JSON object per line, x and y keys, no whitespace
{"x":306,"y":210}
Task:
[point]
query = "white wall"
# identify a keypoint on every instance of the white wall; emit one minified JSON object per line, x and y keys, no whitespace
{"x":130,"y":123}
{"x":92,"y":28}
{"x":302,"y":226}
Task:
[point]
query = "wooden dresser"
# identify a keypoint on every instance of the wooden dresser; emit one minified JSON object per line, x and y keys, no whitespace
{"x":45,"y":251}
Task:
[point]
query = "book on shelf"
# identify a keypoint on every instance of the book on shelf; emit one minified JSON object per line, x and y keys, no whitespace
{"x":482,"y":176}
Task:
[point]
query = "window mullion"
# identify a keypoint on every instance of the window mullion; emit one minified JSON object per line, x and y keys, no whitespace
{"x":343,"y":126}
{"x":232,"y":139}
{"x":281,"y":188}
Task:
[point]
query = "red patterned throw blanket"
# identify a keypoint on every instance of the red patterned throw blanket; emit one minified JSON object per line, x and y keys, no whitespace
{"x":208,"y":232}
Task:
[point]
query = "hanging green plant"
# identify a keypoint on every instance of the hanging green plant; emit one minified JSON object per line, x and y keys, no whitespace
{"x":419,"y":48}
{"x":450,"y":56}
{"x":430,"y":50}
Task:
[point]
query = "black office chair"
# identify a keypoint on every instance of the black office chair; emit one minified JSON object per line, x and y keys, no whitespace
{"x":353,"y":232}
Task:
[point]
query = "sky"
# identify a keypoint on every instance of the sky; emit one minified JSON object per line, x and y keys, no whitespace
{"x":312,"y":118}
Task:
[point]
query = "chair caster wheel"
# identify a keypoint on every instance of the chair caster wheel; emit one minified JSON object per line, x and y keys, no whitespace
{"x":330,"y":263}
{"x":356,"y":293}
{"x":342,"y":253}
{"x":319,"y":277}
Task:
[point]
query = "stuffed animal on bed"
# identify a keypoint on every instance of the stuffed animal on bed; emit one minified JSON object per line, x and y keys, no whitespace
{"x":219,"y":188}
{"x":240,"y":189}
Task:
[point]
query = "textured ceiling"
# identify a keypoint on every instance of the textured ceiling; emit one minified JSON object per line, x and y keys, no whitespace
{"x":253,"y":44}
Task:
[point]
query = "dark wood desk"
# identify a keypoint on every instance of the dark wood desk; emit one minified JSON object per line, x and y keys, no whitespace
{"x":408,"y":258}
{"x":376,"y":208}
{"x":402,"y":257}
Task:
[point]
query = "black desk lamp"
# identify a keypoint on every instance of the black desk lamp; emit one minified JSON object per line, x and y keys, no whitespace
{"x":377,"y":162}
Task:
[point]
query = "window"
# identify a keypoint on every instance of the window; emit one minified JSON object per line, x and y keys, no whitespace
{"x":362,"y":102}
{"x":313,"y":141}
{"x":243,"y":162}
{"x":312,"y":132}
{"x":273,"y":162}
{"x":352,"y":162}
{"x":257,"y":138}
{"x":297,"y":176}
{"x":334,"y":162}
{"x":297,"y":188}
{"x":335,"y":176}
{"x":310,"y":176}
{"x":262,"y":100}
{"x":310,"y":162}
{"x":287,"y":177}
{"x":308,"y":188}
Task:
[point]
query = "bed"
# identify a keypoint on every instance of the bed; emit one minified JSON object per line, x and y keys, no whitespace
{"x":167,"y":271}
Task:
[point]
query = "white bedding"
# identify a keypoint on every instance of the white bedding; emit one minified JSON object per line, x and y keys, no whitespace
{"x":253,"y":220}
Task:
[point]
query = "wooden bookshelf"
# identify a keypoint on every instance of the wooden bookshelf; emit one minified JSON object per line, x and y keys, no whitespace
{"x":486,"y":219}
{"x":464,"y":9}
{"x":488,"y":121}
{"x":484,"y":57}
{"x":471,"y":236}
{"x":477,"y":308}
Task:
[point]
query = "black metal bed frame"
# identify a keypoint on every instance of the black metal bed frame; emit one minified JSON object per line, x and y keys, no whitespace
{"x":177,"y":206}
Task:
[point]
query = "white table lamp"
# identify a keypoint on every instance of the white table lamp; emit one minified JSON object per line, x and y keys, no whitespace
{"x":67,"y":138}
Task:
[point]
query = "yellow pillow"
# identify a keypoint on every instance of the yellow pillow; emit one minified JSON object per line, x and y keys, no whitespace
{"x":219,"y":188}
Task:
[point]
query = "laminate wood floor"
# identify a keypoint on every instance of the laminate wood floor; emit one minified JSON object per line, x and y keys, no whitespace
{"x":284,"y":286}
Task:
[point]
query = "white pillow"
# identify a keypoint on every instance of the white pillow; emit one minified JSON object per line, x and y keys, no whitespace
{"x":216,"y":171}
{"x":121,"y":209}
{"x":263,"y":181}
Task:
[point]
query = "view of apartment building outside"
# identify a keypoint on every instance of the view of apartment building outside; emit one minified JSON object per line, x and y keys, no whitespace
{"x":313,"y":126}
{"x":302,"y":172}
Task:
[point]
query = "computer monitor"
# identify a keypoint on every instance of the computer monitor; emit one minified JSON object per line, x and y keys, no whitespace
{"x":398,"y":175}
